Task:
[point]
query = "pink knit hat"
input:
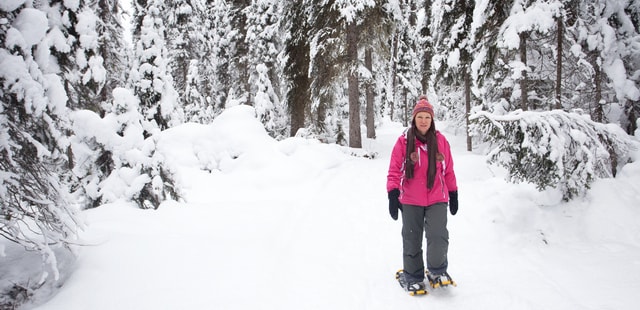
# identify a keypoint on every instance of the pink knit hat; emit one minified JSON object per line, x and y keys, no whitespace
{"x":422,"y":105}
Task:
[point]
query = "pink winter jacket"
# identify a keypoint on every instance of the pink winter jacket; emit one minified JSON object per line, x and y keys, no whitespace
{"x":414,"y":191}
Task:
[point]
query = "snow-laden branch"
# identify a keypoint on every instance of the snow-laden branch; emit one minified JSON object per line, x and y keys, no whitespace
{"x":554,"y":148}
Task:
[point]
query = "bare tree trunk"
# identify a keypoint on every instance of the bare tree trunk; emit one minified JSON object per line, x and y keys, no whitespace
{"x":355,"y":136}
{"x":524,"y":83}
{"x":467,"y":105}
{"x":394,"y":80}
{"x":428,"y":53}
{"x":369,"y":110}
{"x":559,"y":65}
{"x":297,"y":70}
{"x":632,"y":118}
{"x":241,"y":63}
{"x":405,"y":107}
{"x":598,"y":113}
{"x":298,"y":99}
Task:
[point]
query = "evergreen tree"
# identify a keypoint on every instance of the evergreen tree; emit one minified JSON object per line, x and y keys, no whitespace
{"x":377,"y":28}
{"x":264,"y":44}
{"x":113,"y":49}
{"x":326,"y":66}
{"x":632,"y":107}
{"x":156,"y":103}
{"x":184,"y":44}
{"x":426,"y":42}
{"x":489,"y":67}
{"x":238,"y":54}
{"x":80,"y":58}
{"x":406,"y":78}
{"x":610,"y":65}
{"x":297,"y":65}
{"x":136,"y":172}
{"x":215,"y":65}
{"x":150,"y":77}
{"x":103,"y":53}
{"x":35,"y":208}
{"x":197,"y":108}
{"x":454,"y":46}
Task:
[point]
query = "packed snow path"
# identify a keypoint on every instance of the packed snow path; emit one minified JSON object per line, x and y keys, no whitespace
{"x":300,"y":225}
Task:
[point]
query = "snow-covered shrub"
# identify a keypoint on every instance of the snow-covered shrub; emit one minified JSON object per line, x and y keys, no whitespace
{"x":114,"y":158}
{"x":553,"y":149}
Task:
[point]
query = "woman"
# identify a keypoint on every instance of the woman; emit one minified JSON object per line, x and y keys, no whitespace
{"x":420,"y":182}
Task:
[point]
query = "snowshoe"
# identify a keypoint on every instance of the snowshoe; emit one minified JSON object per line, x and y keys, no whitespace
{"x":440,"y":280}
{"x":413,"y":288}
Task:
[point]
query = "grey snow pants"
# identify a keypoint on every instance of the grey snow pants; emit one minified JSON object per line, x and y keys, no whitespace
{"x":432,"y":221}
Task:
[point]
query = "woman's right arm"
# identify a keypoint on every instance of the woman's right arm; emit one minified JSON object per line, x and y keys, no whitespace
{"x":396,"y":164}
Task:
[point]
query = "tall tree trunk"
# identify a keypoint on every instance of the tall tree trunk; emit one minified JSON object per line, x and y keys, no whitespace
{"x":394,"y":79}
{"x":428,"y":53}
{"x":297,"y":68}
{"x":558,"y":102}
{"x":598,"y":113}
{"x":632,"y":118}
{"x":298,"y":95}
{"x":467,"y":105}
{"x":405,"y":107}
{"x":355,"y":137}
{"x":524,"y":82}
{"x":241,"y":63}
{"x":369,"y":110}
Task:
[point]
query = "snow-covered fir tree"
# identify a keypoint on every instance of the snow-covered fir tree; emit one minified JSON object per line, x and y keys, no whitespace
{"x":375,"y":33}
{"x":264,"y":44}
{"x":488,"y":68}
{"x":238,"y":49}
{"x":155,"y":100}
{"x":405,"y":57}
{"x":216,"y":61}
{"x":452,"y":63}
{"x":135,"y":171}
{"x":610,"y":66}
{"x":150,"y":77}
{"x":297,"y":49}
{"x":36,"y":210}
{"x":186,"y":48}
{"x":101,"y":66}
{"x":326,"y":72}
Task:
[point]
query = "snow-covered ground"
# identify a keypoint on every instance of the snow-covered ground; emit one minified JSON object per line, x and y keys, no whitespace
{"x":297,"y":224}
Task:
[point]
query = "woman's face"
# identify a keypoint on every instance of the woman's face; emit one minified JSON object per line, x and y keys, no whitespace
{"x":423,"y":122}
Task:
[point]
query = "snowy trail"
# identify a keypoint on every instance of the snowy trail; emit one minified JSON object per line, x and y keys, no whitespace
{"x":312,"y":231}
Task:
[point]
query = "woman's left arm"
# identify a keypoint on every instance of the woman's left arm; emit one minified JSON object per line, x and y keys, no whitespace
{"x":449,"y":174}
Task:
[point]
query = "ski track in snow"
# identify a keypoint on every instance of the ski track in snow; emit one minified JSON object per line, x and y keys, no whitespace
{"x":318,"y":236}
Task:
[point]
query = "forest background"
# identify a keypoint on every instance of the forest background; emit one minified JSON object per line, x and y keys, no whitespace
{"x":551,"y":88}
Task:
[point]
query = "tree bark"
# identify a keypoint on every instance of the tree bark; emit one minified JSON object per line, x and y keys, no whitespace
{"x":394,"y":79}
{"x":369,"y":109}
{"x":524,"y":82}
{"x":355,"y":136}
{"x":467,"y":105}
{"x":558,"y":100}
{"x":241,"y":63}
{"x":598,"y":113}
{"x":297,"y":70}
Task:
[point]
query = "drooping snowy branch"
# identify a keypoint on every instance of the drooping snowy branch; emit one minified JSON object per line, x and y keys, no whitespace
{"x":553,"y":149}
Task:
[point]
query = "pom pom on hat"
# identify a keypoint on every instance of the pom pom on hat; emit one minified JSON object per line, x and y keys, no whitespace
{"x":422,"y":105}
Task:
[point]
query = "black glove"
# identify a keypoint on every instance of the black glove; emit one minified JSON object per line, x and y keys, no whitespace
{"x":394,"y":203}
{"x":453,"y":202}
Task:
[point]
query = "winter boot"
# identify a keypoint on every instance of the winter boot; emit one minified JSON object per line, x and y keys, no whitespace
{"x":413,"y":287}
{"x":440,"y":280}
